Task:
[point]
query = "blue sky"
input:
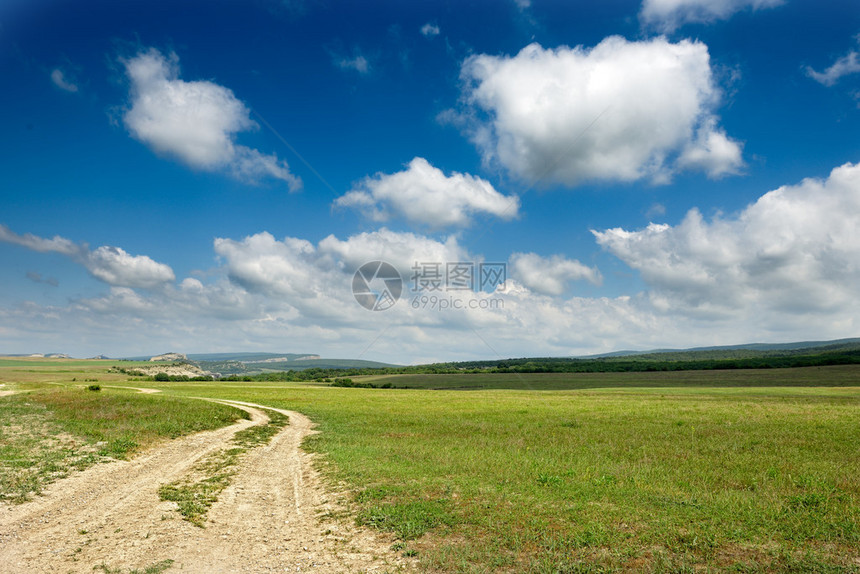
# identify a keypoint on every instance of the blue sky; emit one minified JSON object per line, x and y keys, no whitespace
{"x":208,"y":176}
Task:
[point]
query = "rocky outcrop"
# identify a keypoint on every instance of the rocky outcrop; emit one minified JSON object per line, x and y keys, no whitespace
{"x":169,"y":357}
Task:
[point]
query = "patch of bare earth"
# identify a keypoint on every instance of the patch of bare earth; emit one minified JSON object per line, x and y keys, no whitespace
{"x":267,"y":520}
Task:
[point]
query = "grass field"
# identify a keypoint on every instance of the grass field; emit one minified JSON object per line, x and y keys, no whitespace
{"x":735,"y":471}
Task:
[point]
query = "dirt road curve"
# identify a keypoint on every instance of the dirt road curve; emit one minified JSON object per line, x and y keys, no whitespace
{"x":267,"y":520}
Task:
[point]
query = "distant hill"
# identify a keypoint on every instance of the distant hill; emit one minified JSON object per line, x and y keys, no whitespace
{"x":248,"y":357}
{"x":745,"y":351}
{"x":233,"y":367}
{"x":240,"y":357}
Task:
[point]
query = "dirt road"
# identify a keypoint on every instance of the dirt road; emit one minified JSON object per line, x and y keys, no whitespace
{"x":267,"y":520}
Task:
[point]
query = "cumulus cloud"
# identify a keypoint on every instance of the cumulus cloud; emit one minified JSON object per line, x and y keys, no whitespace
{"x":297,"y":268}
{"x":549,"y":275}
{"x":424,"y":194}
{"x":401,"y":249}
{"x":667,"y":15}
{"x":59,"y":79}
{"x":116,"y":267}
{"x":794,"y":251}
{"x":429,"y":30}
{"x":196,"y":122}
{"x":847,"y":64}
{"x":109,"y":264}
{"x":620,"y":111}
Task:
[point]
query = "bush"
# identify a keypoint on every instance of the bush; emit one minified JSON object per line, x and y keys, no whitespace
{"x":163,"y":377}
{"x":94,"y":388}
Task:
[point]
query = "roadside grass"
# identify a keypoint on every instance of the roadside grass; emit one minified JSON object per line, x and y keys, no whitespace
{"x":48,"y":432}
{"x":195,"y":494}
{"x":123,"y":421}
{"x":35,"y":451}
{"x":155,"y":568}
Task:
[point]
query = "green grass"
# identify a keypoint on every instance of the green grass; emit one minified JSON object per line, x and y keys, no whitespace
{"x":48,"y":432}
{"x":726,"y":471}
{"x":834,"y":376}
{"x":156,"y":568}
{"x":123,"y":421}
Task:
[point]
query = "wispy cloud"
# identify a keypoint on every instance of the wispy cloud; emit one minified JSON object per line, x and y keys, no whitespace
{"x":357,"y":63}
{"x":59,"y":79}
{"x":668,"y":15}
{"x":112,"y":265}
{"x":429,"y":30}
{"x":36,"y":277}
{"x":196,"y":121}
{"x":847,"y":64}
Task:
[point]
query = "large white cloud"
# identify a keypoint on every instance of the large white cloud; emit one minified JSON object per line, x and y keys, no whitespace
{"x":196,"y":122}
{"x":423,"y":194}
{"x":549,"y":275}
{"x":109,"y":264}
{"x":794,"y":252}
{"x":620,"y":111}
{"x":667,"y":15}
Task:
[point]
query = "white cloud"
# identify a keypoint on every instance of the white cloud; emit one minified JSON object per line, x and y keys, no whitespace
{"x":55,"y":245}
{"x":400,"y":249}
{"x":785,"y":268}
{"x":196,"y":122}
{"x":424,"y":194}
{"x":60,"y":80}
{"x":667,"y":15}
{"x":847,"y":64}
{"x":621,"y":111}
{"x":793,"y":252}
{"x":116,"y":267}
{"x":712,"y":151}
{"x":109,"y":264}
{"x":549,"y":275}
{"x":358,"y":63}
{"x":429,"y":29}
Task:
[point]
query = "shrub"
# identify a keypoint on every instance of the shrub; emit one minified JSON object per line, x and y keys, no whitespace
{"x":94,"y":388}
